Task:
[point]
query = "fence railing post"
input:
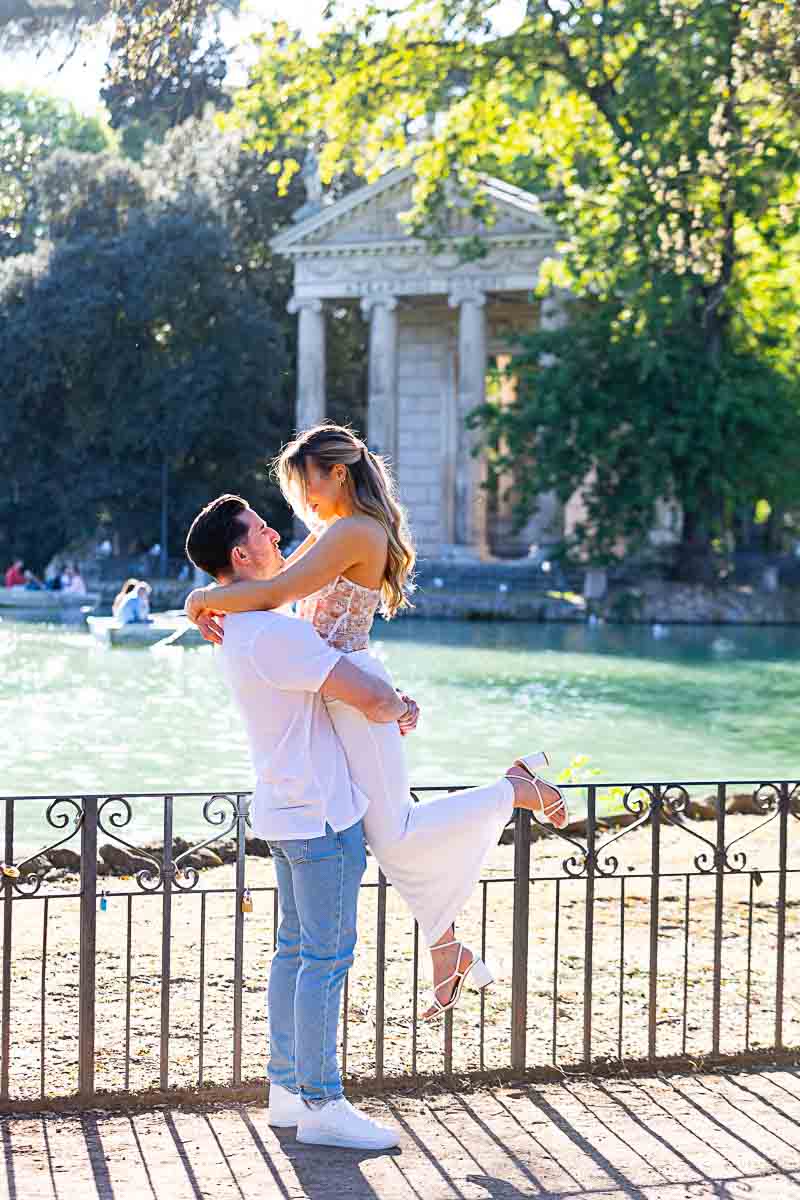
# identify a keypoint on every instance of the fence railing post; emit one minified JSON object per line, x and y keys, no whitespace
{"x":655,"y":896}
{"x":719,"y":913}
{"x":588,"y":932}
{"x":520,"y":934}
{"x":88,"y":937}
{"x":8,"y":911}
{"x":238,"y":938}
{"x":380,"y":976}
{"x":780,"y":963}
{"x":166,"y":944}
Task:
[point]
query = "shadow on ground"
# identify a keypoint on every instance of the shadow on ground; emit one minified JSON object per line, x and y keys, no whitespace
{"x":680,"y":1138}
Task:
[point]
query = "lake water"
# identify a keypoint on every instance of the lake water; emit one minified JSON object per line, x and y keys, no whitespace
{"x":682,"y":702}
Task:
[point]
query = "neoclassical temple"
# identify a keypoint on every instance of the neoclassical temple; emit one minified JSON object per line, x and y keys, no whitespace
{"x":436,"y":325}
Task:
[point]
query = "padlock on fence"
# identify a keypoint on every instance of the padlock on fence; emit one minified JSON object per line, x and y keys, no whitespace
{"x":247,"y":901}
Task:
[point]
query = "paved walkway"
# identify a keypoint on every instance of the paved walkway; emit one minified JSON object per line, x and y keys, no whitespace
{"x":656,"y":1139}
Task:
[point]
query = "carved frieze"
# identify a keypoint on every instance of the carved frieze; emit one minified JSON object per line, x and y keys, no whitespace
{"x":363,"y":274}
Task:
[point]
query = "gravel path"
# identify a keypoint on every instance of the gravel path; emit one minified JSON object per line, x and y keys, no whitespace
{"x":683,"y":1138}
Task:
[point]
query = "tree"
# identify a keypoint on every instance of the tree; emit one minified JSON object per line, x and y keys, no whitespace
{"x":32,"y":126}
{"x":150,"y":337}
{"x":200,"y":163}
{"x":66,"y":21}
{"x":122,"y":354}
{"x":662,"y":139}
{"x":169,"y":71}
{"x":624,"y":424}
{"x":21,"y":20}
{"x":166,"y":59}
{"x":80,"y":195}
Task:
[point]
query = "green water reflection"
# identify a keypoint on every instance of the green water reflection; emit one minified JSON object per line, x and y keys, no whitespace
{"x":682,"y":702}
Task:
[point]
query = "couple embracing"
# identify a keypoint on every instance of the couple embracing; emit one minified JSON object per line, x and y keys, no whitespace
{"x":326,"y":727}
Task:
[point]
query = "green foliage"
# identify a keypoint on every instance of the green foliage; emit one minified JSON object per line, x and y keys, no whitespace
{"x":200,"y":167}
{"x":662,"y":141}
{"x":200,"y":163}
{"x":609,"y":801}
{"x":32,"y":126}
{"x":163,"y":68}
{"x":79,"y":195}
{"x":148,"y":346}
{"x":631,"y":414}
{"x":152,"y":328}
{"x":23,"y":23}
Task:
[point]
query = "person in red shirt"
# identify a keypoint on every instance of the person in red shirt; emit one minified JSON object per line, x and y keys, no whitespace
{"x":15,"y":576}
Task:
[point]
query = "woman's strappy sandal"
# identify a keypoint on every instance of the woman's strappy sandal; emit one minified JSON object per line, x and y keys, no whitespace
{"x":554,"y":811}
{"x":477,"y":972}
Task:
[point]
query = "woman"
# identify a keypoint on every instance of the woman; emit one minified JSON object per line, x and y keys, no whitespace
{"x":360,"y":557}
{"x":132,"y":603}
{"x":125,"y":592}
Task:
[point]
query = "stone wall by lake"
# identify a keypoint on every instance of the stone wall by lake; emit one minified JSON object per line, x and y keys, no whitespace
{"x":520,"y":591}
{"x":657,"y":602}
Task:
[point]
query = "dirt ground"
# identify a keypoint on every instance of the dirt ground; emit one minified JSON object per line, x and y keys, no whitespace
{"x":44,"y":1023}
{"x":704,"y":1137}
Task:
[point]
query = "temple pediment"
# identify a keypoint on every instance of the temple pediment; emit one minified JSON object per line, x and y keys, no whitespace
{"x":371,"y":219}
{"x":436,"y":315}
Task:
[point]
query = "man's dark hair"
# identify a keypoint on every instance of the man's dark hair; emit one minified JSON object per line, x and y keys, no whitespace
{"x":215,"y":532}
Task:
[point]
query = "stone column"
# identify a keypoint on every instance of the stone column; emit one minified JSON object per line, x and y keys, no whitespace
{"x":382,"y":387}
{"x":310,"y":361}
{"x":470,"y":498}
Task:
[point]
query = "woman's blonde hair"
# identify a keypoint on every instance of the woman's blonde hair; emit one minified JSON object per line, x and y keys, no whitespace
{"x":372,"y":492}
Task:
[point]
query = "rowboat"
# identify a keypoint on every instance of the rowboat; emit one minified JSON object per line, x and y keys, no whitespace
{"x":170,"y":627}
{"x":21,"y":597}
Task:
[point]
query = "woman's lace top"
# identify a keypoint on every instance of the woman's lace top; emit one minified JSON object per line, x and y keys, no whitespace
{"x":342,"y":613}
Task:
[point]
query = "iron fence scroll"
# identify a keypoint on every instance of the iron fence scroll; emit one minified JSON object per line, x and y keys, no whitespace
{"x":649,"y":936}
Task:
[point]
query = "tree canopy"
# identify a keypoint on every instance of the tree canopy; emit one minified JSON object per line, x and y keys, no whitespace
{"x":172,"y":68}
{"x":148,"y":330}
{"x":32,"y":21}
{"x":166,"y":58}
{"x":662,"y":140}
{"x":149,"y":348}
{"x":22,"y":19}
{"x":32,"y":126}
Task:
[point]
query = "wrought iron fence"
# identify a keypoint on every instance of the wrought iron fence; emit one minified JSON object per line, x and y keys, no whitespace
{"x":660,"y":939}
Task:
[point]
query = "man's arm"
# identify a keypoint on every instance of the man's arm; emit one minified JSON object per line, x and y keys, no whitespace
{"x":290,"y":655}
{"x":377,"y":700}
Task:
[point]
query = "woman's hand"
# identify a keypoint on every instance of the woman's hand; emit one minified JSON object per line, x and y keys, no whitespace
{"x":409,"y":719}
{"x":207,"y":620}
{"x":195,"y":603}
{"x":210,"y":625}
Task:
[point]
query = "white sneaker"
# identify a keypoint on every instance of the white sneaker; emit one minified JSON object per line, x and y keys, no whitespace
{"x":285,"y":1107}
{"x":339,"y":1124}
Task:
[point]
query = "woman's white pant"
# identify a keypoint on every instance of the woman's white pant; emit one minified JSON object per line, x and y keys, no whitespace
{"x":431,"y":852}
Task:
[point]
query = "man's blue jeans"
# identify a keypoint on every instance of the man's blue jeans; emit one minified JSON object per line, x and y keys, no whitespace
{"x":318,"y":884}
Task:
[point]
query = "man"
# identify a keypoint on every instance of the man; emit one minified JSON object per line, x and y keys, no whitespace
{"x":305,"y":804}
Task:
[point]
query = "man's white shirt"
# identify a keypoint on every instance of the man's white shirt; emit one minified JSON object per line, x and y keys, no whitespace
{"x":275,"y":665}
